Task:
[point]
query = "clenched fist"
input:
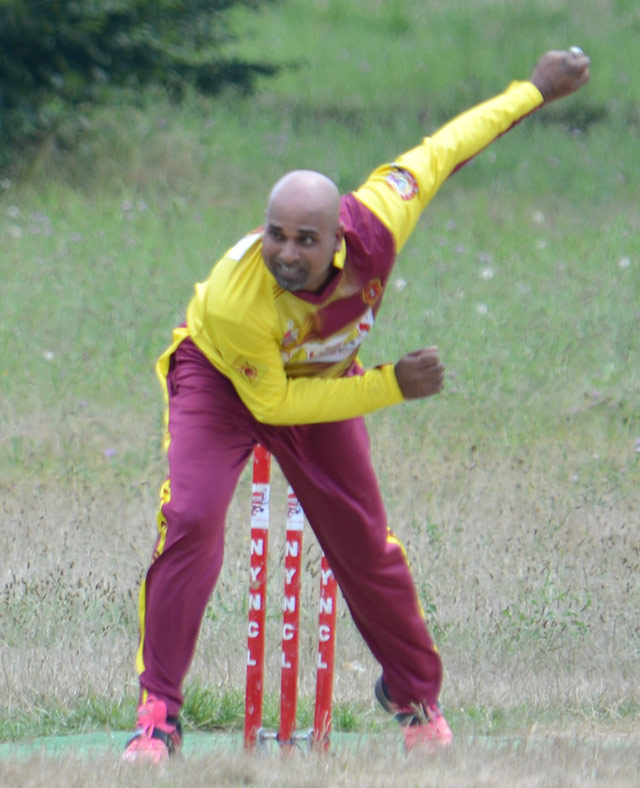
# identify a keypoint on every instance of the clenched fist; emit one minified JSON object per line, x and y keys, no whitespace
{"x":420,"y":373}
{"x":559,"y":73}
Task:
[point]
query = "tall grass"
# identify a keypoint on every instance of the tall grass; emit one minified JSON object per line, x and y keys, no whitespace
{"x":516,"y":490}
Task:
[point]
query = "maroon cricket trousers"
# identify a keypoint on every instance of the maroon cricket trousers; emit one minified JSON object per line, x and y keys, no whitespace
{"x":212,"y":436}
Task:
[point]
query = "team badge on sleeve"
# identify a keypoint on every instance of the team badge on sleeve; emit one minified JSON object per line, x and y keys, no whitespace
{"x":402,"y":182}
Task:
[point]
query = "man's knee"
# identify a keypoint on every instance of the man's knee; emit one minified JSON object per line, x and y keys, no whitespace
{"x":196,"y":522}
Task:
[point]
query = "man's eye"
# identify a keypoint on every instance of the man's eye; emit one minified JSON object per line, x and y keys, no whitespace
{"x":307,"y":240}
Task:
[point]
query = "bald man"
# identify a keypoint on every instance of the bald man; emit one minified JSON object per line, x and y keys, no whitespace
{"x":268,"y":355}
{"x":302,"y":202}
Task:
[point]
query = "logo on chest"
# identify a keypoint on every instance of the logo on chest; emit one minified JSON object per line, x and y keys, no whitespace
{"x":290,"y":338}
{"x":332,"y":349}
{"x":372,"y":292}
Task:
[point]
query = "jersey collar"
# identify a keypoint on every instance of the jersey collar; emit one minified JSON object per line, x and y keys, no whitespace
{"x":340,"y":256}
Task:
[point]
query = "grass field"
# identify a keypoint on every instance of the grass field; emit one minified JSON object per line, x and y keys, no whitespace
{"x":516,"y":491}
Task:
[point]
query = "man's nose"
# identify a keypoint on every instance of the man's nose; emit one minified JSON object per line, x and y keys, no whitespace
{"x":288,"y":252}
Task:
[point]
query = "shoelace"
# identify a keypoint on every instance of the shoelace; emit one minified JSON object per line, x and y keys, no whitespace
{"x":152,"y":715}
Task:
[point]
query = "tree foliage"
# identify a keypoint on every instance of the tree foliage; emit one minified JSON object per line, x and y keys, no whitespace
{"x":58,"y":54}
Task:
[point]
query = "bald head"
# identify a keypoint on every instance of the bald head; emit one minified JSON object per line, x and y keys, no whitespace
{"x":302,"y":230}
{"x":309,"y":191}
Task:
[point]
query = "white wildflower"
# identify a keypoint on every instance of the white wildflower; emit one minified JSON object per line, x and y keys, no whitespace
{"x":538,"y":217}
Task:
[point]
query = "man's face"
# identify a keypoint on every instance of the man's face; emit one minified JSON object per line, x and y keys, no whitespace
{"x":298,"y":247}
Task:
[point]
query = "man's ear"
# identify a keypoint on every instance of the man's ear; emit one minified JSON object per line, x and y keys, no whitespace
{"x":339,"y":238}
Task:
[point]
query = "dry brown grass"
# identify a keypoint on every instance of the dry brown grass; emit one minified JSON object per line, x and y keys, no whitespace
{"x":535,"y":762}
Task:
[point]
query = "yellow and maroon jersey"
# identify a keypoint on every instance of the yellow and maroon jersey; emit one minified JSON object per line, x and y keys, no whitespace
{"x":290,"y":355}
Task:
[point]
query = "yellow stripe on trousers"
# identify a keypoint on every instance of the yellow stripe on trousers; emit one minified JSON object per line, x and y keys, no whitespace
{"x":393,"y":539}
{"x":162,"y":369}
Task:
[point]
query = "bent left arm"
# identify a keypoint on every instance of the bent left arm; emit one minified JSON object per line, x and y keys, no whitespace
{"x":398,"y":192}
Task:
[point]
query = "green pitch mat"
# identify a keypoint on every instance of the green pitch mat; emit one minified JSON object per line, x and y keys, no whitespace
{"x":199,"y":743}
{"x":195,"y":743}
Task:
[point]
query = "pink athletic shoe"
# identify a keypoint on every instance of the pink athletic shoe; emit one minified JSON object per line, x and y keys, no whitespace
{"x":430,"y":736}
{"x":156,"y":738}
{"x":424,"y":729}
